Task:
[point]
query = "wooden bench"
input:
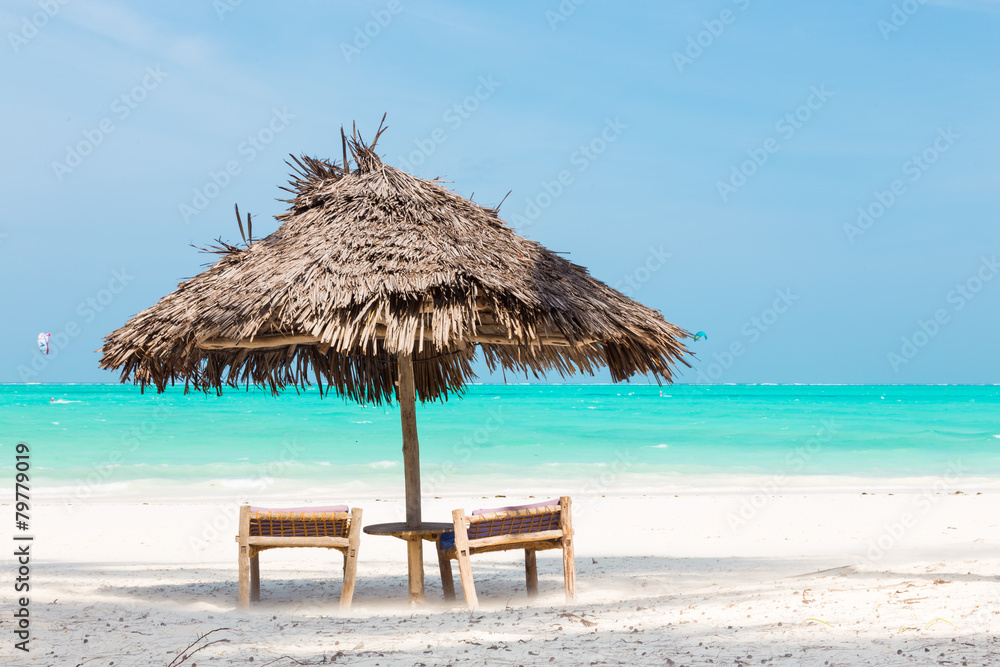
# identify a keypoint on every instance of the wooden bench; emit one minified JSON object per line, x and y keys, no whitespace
{"x":263,"y":528}
{"x":529,"y":527}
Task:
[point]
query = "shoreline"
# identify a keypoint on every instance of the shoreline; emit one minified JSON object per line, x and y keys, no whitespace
{"x":305,"y":491}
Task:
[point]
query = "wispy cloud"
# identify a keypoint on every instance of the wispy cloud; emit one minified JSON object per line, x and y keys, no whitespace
{"x":991,"y":6}
{"x":137,"y":32}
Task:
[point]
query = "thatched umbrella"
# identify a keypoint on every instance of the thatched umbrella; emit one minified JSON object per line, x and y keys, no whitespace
{"x":380,"y":286}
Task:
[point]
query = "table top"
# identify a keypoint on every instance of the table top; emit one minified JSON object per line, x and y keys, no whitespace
{"x":424,"y":529}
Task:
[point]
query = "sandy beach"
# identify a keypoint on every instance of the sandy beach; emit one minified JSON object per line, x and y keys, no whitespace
{"x":844,"y":577}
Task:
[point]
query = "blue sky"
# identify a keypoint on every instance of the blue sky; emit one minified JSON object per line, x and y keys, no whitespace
{"x":812,"y":184}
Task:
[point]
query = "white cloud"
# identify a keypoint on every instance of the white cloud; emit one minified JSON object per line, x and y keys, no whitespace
{"x":992,"y":6}
{"x":136,"y":32}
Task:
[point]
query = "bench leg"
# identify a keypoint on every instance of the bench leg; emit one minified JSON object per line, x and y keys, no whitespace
{"x":447,"y":580}
{"x":462,"y":555}
{"x":350,"y":576}
{"x":465,"y":572}
{"x":531,"y":572}
{"x":243,"y":561}
{"x":351,"y":559}
{"x":255,"y":577}
{"x":569,"y":569}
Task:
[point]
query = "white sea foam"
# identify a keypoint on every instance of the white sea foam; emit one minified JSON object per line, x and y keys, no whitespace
{"x":659,"y":446}
{"x":96,"y":489}
{"x":256,"y":483}
{"x":383,"y":464}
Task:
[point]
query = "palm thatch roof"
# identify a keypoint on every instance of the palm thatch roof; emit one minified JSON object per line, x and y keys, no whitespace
{"x":370,"y":263}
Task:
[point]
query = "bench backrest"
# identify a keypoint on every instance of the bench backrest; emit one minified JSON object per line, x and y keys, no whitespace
{"x":515,"y":520}
{"x":333,"y":521}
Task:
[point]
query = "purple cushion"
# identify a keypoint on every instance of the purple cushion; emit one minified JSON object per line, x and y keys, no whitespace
{"x":328,"y":508}
{"x":547,"y":503}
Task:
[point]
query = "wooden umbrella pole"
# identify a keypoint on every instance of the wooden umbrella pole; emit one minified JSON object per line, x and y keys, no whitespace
{"x":411,"y":466}
{"x":411,"y":448}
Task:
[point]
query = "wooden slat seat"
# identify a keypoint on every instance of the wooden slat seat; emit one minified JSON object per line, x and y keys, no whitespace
{"x":263,"y":528}
{"x":529,"y":527}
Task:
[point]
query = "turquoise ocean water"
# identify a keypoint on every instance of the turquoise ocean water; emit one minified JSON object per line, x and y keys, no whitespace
{"x":100,"y":440}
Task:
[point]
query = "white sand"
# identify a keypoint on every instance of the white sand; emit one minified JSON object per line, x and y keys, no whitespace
{"x":832,"y":577}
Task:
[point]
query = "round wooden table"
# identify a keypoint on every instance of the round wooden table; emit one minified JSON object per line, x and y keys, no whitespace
{"x":414,"y":536}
